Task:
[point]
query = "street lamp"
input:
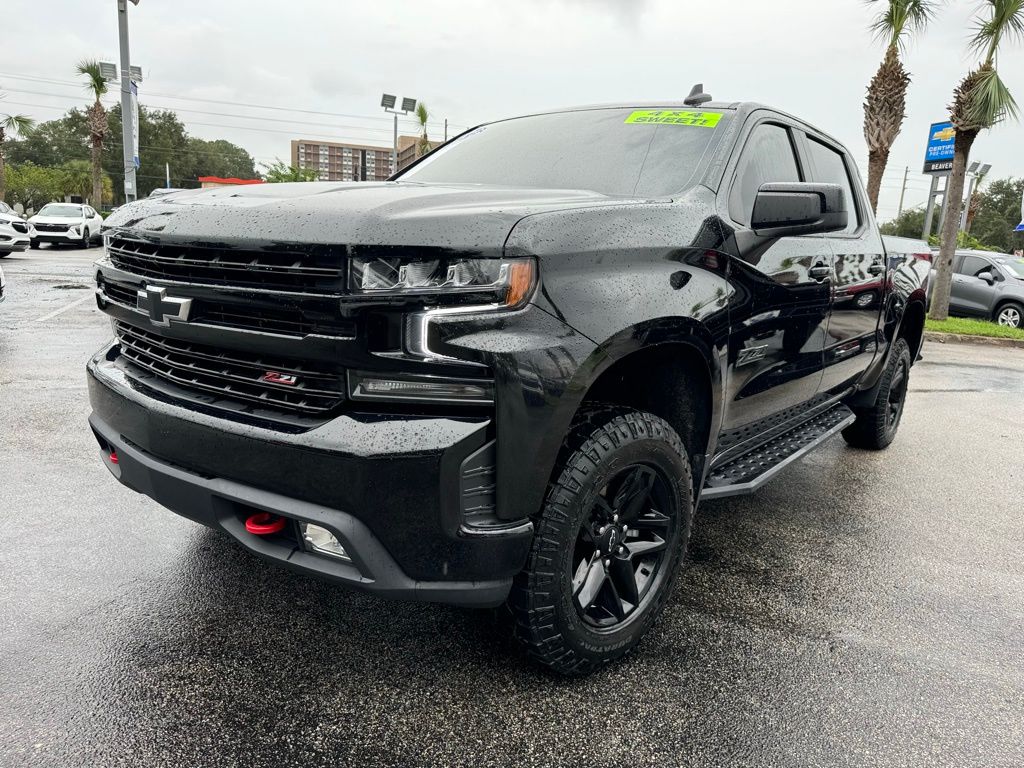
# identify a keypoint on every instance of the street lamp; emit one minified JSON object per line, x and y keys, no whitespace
{"x":976,"y":172}
{"x":408,"y":105}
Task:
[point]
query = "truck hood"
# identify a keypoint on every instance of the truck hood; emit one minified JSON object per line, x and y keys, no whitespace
{"x":460,"y":216}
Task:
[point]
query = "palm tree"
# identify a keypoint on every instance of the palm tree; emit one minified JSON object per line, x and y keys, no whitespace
{"x":97,"y":120}
{"x":422,"y":115}
{"x":980,"y":101}
{"x":11,"y":125}
{"x":886,"y":102}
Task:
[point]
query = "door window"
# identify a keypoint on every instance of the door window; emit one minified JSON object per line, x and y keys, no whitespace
{"x":974,"y":266}
{"x":767,"y":158}
{"x":830,"y":168}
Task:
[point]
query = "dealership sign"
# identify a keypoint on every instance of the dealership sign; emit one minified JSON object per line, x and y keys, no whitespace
{"x":939,"y":155}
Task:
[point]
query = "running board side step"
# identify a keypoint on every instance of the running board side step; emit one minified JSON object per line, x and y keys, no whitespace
{"x":752,"y":470}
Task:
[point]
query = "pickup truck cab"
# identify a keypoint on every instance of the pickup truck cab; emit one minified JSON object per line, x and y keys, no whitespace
{"x":508,"y":374}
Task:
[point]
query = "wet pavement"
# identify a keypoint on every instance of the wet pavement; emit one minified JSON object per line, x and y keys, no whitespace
{"x":863,"y":609}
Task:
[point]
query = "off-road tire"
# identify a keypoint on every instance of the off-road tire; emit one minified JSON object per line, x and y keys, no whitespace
{"x":874,"y":428}
{"x":603,"y":441}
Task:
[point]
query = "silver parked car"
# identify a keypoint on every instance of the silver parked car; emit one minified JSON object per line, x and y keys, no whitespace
{"x":988,"y":285}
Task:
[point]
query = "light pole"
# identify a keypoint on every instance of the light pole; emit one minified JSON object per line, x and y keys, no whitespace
{"x":976,"y":175}
{"x":128,"y":127}
{"x":408,"y":105}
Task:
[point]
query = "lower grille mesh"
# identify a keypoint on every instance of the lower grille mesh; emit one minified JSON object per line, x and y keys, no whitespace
{"x":238,"y":376}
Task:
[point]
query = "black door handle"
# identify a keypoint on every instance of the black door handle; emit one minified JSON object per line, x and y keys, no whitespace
{"x":820,"y":272}
{"x":876,"y":268}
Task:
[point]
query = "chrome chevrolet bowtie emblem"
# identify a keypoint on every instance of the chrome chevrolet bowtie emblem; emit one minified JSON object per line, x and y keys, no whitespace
{"x":161,"y":307}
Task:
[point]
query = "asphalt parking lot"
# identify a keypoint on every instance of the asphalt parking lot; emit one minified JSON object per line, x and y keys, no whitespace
{"x":864,"y":609}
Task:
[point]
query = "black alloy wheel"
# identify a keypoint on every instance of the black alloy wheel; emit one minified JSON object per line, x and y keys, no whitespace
{"x":608,"y":541}
{"x":622,"y":545}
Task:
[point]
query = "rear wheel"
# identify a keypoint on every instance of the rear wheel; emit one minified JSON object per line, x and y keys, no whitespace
{"x":1011,"y":315}
{"x":876,"y":425}
{"x":608,"y":543}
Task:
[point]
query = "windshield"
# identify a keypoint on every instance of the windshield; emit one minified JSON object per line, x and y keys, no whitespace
{"x":62,"y":210}
{"x":618,"y":152}
{"x":1014,"y":268}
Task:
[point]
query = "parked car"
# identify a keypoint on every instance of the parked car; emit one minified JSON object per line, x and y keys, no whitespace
{"x":509,"y":374}
{"x":66,"y":223}
{"x":988,"y":285}
{"x":15,"y":232}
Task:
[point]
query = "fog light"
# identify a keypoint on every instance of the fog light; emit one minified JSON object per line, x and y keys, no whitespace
{"x":320,"y":540}
{"x":366,"y":387}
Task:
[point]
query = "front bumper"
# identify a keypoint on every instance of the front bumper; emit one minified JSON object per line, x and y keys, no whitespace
{"x":387,"y":487}
{"x":56,"y":237}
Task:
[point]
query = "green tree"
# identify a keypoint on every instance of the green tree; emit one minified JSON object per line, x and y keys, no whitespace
{"x":97,"y":117}
{"x":54,"y":142}
{"x":10,"y":125}
{"x":910,"y":223}
{"x":980,"y":101}
{"x":279,"y":172}
{"x":76,"y":179}
{"x":997,"y":213}
{"x":33,"y":186}
{"x":886,"y":102}
{"x":423,"y":146}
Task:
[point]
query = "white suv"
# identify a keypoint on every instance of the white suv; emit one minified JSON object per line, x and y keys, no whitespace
{"x":66,"y":223}
{"x":15,"y":232}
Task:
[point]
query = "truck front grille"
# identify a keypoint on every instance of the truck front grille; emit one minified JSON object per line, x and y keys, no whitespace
{"x":279,"y":270}
{"x":244,"y":315}
{"x":274,"y":384}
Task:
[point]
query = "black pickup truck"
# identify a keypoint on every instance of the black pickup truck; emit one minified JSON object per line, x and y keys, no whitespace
{"x":507,"y":375}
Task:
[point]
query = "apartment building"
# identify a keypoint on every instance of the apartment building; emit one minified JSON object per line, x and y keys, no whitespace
{"x":407,"y":152}
{"x":342,"y":162}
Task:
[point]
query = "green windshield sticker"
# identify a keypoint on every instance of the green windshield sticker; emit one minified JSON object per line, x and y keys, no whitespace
{"x":675,"y":117}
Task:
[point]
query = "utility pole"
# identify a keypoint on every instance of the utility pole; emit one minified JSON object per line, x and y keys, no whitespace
{"x":446,"y":130}
{"x":930,"y":208}
{"x":127,"y":112}
{"x":903,"y":191}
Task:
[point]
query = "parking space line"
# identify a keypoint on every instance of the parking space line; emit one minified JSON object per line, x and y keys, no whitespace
{"x":65,"y":308}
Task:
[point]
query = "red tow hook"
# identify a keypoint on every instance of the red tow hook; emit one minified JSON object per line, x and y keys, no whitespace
{"x":113,"y":457}
{"x":264,"y":523}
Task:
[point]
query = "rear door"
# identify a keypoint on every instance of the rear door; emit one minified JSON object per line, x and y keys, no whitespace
{"x":779,"y":312}
{"x":860,"y":278}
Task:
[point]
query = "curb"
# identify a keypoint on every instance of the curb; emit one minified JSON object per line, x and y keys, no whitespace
{"x":959,"y":338}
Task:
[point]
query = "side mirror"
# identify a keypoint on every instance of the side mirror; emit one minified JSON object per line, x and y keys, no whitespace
{"x":798,"y":208}
{"x":988,"y":277}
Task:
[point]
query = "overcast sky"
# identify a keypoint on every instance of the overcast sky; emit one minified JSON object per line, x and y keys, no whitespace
{"x":476,"y":60}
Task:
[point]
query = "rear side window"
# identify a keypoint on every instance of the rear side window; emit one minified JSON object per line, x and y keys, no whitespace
{"x":767,"y":158}
{"x":829,"y":168}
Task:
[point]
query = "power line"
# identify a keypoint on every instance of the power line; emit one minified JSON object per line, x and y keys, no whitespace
{"x":71,"y":83}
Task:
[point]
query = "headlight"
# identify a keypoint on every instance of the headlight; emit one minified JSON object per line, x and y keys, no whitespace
{"x":501,"y":281}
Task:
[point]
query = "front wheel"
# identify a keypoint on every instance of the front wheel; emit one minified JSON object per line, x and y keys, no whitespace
{"x":608,"y":541}
{"x":33,"y":244}
{"x":86,"y":239}
{"x":1010,"y":315}
{"x":876,"y":425}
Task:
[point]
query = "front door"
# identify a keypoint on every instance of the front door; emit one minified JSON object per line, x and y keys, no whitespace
{"x":779,"y":312}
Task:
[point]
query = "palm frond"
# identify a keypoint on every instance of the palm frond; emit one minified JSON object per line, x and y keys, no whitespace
{"x":989,"y":101}
{"x":1005,"y":21}
{"x":14,"y":124}
{"x":902,"y":18}
{"x":90,"y":69}
{"x":422,"y":115}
